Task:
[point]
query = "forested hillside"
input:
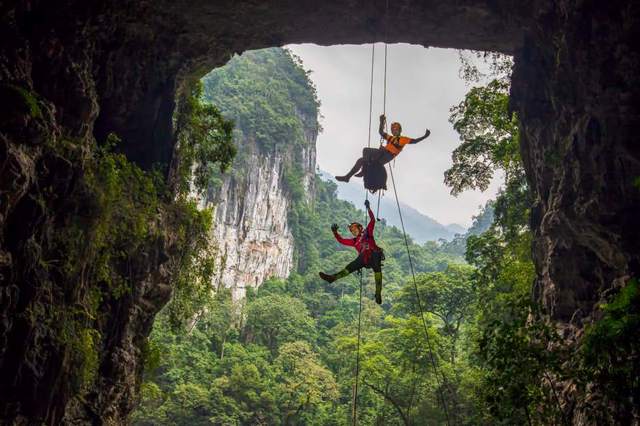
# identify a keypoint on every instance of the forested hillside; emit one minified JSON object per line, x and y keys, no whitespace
{"x":286,"y":356}
{"x":289,"y":357}
{"x":483,"y":355}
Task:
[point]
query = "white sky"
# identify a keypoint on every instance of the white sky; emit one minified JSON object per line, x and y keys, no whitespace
{"x":422,"y":84}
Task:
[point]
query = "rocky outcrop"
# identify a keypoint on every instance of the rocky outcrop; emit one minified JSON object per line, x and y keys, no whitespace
{"x":251,"y":226}
{"x":76,"y":70}
{"x":269,"y":97}
{"x":576,"y":88}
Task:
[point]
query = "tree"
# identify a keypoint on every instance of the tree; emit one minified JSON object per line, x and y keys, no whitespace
{"x":304,"y":383}
{"x":489,"y":135}
{"x":274,"y":320}
{"x":448,"y":295}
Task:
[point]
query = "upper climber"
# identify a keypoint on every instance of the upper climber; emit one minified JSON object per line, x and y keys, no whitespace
{"x":395,"y":142}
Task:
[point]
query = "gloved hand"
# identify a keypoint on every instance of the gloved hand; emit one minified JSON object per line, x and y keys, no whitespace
{"x":334,"y":227}
{"x":427,"y":133}
{"x":383,"y":118}
{"x":366,"y":203}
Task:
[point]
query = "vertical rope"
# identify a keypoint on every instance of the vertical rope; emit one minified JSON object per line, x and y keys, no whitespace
{"x":424,"y":323}
{"x":386,"y":40}
{"x":354,"y":413}
{"x":354,"y":404}
{"x":384,"y":99}
{"x":373,"y":54}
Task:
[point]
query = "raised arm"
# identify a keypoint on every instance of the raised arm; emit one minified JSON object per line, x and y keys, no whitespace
{"x":426,"y":135}
{"x":344,"y":241}
{"x":372,"y":218}
{"x":383,"y":121}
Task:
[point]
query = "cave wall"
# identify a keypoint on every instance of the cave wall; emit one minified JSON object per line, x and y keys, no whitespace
{"x":576,"y":88}
{"x":92,"y":68}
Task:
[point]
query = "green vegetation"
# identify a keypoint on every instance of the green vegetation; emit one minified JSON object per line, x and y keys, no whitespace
{"x":268,"y":94}
{"x":287,"y":353}
{"x":610,"y":351}
{"x":205,"y":143}
{"x":22,"y":100}
{"x":489,"y":135}
{"x":288,"y":356}
{"x":118,"y":215}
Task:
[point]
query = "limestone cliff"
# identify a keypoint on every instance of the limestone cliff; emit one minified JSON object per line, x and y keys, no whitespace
{"x":250,"y":222}
{"x":252,"y":203}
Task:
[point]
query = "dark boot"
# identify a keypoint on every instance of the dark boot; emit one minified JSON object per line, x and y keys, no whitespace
{"x":378,"y":278}
{"x":328,"y":278}
{"x":331,"y":278}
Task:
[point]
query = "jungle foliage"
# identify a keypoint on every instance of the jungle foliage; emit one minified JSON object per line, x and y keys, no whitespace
{"x":287,"y":353}
{"x":116,"y":214}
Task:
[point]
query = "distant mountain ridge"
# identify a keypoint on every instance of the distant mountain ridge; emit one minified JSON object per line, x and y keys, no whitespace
{"x":419,"y":226}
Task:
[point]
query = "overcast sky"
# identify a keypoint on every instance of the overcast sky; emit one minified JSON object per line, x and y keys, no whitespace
{"x":422,"y":84}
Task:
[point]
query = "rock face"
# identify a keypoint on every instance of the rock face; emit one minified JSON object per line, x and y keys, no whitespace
{"x":576,"y":88}
{"x":251,"y":227}
{"x":269,"y":97}
{"x":75,"y":70}
{"x":251,"y":219}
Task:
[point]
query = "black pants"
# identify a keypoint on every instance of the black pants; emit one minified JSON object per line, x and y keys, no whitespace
{"x":379,"y":155}
{"x":371,"y":155}
{"x":375,"y":263}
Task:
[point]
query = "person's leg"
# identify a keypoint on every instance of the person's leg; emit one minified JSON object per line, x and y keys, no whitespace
{"x":376,"y":265}
{"x":385,"y":156}
{"x":350,"y":268}
{"x":368,"y":154}
{"x":353,"y":171}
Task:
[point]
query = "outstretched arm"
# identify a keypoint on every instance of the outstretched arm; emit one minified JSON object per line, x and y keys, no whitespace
{"x":344,"y":241}
{"x":426,"y":135}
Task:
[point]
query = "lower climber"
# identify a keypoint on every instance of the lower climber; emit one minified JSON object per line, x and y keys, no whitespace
{"x":369,"y":254}
{"x":384,"y":153}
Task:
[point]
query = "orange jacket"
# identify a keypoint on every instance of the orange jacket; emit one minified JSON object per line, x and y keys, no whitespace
{"x":395,"y":144}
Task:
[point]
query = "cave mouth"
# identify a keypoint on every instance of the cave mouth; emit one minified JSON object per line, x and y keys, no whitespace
{"x":145,"y":124}
{"x":224,"y":89}
{"x":110,"y":68}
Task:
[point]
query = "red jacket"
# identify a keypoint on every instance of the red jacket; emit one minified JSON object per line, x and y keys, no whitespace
{"x":364,"y":243}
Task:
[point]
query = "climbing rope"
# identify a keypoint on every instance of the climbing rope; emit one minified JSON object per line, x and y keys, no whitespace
{"x":354,"y":413}
{"x":373,"y":57}
{"x":424,"y":323}
{"x":443,"y":402}
{"x":354,"y":404}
